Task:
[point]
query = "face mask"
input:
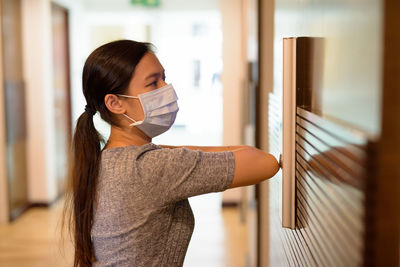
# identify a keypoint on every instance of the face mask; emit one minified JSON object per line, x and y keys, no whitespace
{"x":160,"y":108}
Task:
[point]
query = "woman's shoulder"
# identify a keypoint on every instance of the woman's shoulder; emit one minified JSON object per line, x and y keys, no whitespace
{"x":130,"y":148}
{"x":127,"y":152}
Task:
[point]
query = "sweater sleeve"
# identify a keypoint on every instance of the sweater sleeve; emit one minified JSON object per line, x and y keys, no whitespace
{"x":170,"y":175}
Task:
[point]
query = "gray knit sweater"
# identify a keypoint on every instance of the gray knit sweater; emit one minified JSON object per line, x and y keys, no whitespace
{"x":142,"y":215}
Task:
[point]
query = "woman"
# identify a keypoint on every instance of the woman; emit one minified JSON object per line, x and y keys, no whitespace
{"x":129,"y":200}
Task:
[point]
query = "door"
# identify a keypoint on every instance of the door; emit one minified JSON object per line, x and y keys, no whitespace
{"x":62,"y":92}
{"x":14,"y":96}
{"x":338,"y":134}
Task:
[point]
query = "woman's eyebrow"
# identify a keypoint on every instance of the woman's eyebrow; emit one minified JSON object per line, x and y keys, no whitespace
{"x":156,"y":74}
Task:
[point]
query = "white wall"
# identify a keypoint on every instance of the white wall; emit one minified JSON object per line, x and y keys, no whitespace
{"x":78,"y":44}
{"x":120,"y":14}
{"x":37,"y":62}
{"x":4,"y":208}
{"x":233,"y":72}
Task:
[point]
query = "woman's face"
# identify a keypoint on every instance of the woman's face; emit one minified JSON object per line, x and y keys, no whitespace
{"x":149,"y":75}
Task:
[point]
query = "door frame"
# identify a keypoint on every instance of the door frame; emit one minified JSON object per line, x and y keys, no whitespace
{"x":4,"y":202}
{"x":56,"y":6}
{"x":383,"y":193}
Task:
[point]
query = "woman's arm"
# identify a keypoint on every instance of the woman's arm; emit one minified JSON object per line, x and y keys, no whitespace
{"x":207,"y":148}
{"x":252,"y":165}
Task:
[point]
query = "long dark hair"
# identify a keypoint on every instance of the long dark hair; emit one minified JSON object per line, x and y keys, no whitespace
{"x":107,"y":70}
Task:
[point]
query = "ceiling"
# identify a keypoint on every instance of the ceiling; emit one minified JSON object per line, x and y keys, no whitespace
{"x":166,"y":5}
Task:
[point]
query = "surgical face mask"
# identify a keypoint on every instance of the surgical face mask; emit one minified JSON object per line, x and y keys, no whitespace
{"x":160,"y":108}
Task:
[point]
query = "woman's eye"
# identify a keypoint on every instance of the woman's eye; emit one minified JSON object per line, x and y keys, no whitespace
{"x":152,"y":84}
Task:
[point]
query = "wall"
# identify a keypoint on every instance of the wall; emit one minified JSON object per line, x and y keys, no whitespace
{"x":78,"y":43}
{"x":232,"y":79}
{"x":36,"y":24}
{"x":346,"y":81}
{"x":350,"y":74}
{"x":37,"y":55}
{"x":4,"y":212}
{"x":233,"y":70}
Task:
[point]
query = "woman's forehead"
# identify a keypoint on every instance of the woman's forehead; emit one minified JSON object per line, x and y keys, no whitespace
{"x":149,"y":64}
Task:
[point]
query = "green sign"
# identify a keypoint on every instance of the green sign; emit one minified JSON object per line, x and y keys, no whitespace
{"x":149,"y":3}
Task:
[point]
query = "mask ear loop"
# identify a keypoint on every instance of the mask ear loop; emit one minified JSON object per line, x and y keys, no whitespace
{"x":134,"y":122}
{"x":129,"y":96}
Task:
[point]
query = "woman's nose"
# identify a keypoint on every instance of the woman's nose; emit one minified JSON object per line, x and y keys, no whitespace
{"x":163,"y":83}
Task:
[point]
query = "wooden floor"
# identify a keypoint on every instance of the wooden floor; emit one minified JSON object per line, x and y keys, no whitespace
{"x":219,"y":239}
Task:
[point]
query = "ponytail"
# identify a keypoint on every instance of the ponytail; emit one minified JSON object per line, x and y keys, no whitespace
{"x":85,"y":169}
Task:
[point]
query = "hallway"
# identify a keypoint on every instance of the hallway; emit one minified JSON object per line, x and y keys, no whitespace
{"x":315,"y":84}
{"x":33,"y":240}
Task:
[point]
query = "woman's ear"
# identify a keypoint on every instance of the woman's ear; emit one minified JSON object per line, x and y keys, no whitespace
{"x":114,"y":104}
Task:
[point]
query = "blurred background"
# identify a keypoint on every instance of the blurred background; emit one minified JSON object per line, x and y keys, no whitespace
{"x":226,"y":61}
